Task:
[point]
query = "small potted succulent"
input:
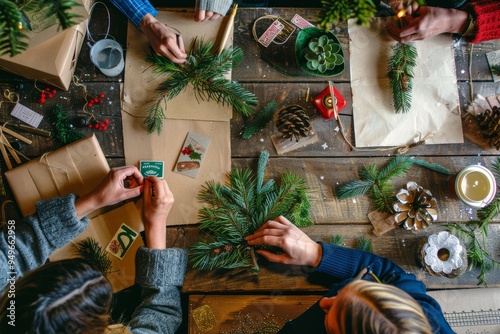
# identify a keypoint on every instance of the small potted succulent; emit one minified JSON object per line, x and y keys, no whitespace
{"x":319,"y":52}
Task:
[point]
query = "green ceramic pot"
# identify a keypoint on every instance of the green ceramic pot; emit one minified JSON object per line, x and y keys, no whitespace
{"x":319,"y":52}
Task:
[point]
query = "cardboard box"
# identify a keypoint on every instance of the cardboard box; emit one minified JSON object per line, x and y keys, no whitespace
{"x":52,"y":53}
{"x":103,"y":228}
{"x":75,"y":168}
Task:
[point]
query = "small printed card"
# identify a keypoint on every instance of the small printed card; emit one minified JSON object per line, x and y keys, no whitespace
{"x":300,"y":22}
{"x":122,"y":240}
{"x":26,"y":115}
{"x":494,"y":62}
{"x":270,"y":34}
{"x":192,"y":154}
{"x":151,"y":168}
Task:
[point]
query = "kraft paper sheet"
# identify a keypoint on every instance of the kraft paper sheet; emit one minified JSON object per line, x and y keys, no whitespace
{"x":140,"y":83}
{"x":184,"y":114}
{"x":102,"y":228}
{"x":435,"y":101}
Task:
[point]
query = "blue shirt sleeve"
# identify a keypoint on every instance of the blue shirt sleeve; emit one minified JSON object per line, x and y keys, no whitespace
{"x":135,"y":10}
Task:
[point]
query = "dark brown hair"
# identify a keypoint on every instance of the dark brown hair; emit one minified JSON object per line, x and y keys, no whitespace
{"x":67,"y":296}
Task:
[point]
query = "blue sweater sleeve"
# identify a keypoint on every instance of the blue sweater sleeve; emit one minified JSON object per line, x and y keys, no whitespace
{"x":27,"y":244}
{"x":160,"y":273}
{"x":135,"y":10}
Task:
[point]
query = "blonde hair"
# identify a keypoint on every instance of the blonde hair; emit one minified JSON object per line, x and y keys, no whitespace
{"x":369,"y":307}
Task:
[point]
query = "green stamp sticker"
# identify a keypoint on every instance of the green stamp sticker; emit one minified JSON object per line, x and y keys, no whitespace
{"x":151,"y":168}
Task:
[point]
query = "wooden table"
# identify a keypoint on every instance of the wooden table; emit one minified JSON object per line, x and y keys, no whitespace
{"x":325,"y":164}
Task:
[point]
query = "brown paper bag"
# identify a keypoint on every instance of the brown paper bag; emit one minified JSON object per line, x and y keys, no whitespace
{"x":103,"y":228}
{"x":75,"y":168}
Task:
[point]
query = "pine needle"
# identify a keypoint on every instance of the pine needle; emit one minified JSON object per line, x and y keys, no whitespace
{"x":400,"y":74}
{"x":238,"y":208}
{"x":205,"y":72}
{"x":260,"y":120}
{"x":337,"y":239}
{"x":90,"y":250}
{"x":364,"y":244}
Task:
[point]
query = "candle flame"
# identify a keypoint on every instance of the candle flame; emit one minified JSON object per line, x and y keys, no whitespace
{"x":401,"y":13}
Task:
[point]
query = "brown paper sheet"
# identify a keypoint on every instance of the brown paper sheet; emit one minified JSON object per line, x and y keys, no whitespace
{"x":140,"y":84}
{"x":75,"y":168}
{"x":435,"y":102}
{"x":139,"y":145}
{"x":102,"y":228}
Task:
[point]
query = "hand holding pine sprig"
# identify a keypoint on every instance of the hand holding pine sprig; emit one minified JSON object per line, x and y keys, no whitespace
{"x":205,"y":71}
{"x":237,"y":209}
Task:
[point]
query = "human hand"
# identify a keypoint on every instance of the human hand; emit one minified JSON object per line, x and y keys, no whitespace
{"x":425,"y":22}
{"x":298,"y":248}
{"x":206,"y":15}
{"x":163,"y":40}
{"x":158,"y":201}
{"x":120,"y":184}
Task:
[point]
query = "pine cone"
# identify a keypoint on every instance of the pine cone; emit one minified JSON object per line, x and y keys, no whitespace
{"x":489,"y":123}
{"x":415,"y":207}
{"x":293,"y":122}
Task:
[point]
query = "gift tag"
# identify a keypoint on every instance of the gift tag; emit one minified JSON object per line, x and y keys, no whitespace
{"x":494,"y":63}
{"x":300,"y":22}
{"x":121,"y":241}
{"x":151,"y":168}
{"x":284,"y":33}
{"x":26,"y":115}
{"x":270,"y":34}
{"x":192,"y":154}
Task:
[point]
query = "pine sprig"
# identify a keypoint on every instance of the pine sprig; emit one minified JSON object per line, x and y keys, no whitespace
{"x":13,"y":22}
{"x":238,"y":208}
{"x":336,"y":11}
{"x":64,"y":133}
{"x":205,"y":72}
{"x":495,"y":69}
{"x":259,"y":121}
{"x":400,"y":74}
{"x":473,"y":236}
{"x":364,"y":244}
{"x":90,"y":250}
{"x":376,"y":184}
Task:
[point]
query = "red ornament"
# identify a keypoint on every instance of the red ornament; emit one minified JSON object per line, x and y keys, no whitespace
{"x":101,"y":95}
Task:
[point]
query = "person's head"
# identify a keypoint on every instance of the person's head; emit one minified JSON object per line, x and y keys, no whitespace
{"x":66,"y":296}
{"x":369,"y":307}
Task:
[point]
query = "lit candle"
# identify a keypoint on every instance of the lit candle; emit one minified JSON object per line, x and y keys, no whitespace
{"x":400,"y":15}
{"x":475,"y":185}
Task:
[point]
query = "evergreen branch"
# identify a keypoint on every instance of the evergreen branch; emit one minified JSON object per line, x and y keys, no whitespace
{"x":400,"y":74}
{"x":495,"y":69}
{"x":354,"y":188}
{"x":496,"y":168}
{"x":487,"y":214}
{"x":205,"y":71}
{"x":11,"y":37}
{"x":432,"y":166}
{"x":382,"y":196}
{"x":476,"y":253}
{"x":397,"y":167}
{"x":231,"y":213}
{"x":90,"y":250}
{"x":154,"y":118}
{"x":336,"y":11}
{"x":337,"y":239}
{"x":364,"y":244}
{"x":260,"y":120}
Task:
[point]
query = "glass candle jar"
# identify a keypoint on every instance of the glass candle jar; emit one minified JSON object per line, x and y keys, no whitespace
{"x":475,"y":185}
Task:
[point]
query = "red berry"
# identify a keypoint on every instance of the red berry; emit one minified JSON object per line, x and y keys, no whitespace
{"x":47,"y":89}
{"x":101,"y":101}
{"x":96,"y":126}
{"x":90,"y":126}
{"x":43,"y":95}
{"x":96,"y":100}
{"x":54,"y":91}
{"x":101,"y":95}
{"x":105,"y":127}
{"x":51,"y":96}
{"x":42,"y":100}
{"x":90,"y":104}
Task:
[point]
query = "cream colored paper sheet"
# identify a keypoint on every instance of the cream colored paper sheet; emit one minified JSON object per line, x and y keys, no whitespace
{"x":140,"y":84}
{"x":435,"y":101}
{"x":139,"y":145}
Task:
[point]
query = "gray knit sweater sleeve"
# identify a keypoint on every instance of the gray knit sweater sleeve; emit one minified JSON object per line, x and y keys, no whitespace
{"x":160,"y":273}
{"x":27,"y":244}
{"x":216,"y":6}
